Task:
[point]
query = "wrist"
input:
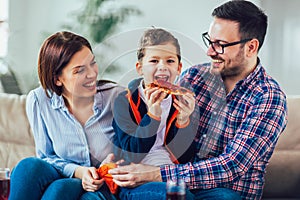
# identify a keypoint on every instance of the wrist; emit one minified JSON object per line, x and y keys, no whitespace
{"x":182,"y":123}
{"x":157,"y":176}
{"x":78,"y":172}
{"x":153,"y":116}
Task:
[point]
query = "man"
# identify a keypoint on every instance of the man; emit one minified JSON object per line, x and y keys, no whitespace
{"x":242,"y":112}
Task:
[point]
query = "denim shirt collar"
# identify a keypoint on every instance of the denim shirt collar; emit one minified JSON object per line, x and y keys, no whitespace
{"x":57,"y":102}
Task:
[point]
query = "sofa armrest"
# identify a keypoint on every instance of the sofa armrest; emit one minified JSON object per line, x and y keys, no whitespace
{"x":16,"y":138}
{"x":283,"y":175}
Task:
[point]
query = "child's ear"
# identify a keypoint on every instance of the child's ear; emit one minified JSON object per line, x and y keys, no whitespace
{"x":179,"y":68}
{"x":139,"y":68}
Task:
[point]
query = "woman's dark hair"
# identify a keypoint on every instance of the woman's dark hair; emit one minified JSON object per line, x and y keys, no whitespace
{"x":55,"y":53}
{"x":157,"y":36}
{"x":252,"y":20}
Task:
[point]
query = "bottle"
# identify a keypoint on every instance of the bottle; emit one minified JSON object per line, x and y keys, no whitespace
{"x":175,"y":190}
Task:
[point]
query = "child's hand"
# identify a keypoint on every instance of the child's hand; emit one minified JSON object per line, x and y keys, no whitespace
{"x":110,"y":158}
{"x":185,"y":104}
{"x":154,"y":97}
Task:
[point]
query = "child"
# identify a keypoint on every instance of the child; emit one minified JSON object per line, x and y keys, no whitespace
{"x":151,"y":126}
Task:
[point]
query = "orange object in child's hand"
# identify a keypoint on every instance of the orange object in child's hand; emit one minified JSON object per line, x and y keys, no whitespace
{"x":103,"y":173}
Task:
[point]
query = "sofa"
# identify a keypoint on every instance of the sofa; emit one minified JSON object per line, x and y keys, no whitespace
{"x":283,"y":171}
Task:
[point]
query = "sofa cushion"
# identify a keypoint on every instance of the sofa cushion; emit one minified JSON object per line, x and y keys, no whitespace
{"x":290,"y":138}
{"x":16,"y":137}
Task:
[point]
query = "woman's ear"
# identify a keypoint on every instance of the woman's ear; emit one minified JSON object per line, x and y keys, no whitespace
{"x":58,"y":82}
{"x":139,"y":68}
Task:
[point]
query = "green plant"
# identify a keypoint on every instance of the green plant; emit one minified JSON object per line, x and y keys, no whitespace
{"x":8,"y":79}
{"x":100,"y":18}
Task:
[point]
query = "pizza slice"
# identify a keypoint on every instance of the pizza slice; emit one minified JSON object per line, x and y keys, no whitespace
{"x":169,"y":88}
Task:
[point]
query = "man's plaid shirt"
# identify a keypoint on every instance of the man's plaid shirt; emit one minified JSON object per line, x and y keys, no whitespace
{"x":237,"y":132}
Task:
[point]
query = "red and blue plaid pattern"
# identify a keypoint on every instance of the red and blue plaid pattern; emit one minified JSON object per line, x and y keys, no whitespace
{"x":237,"y":132}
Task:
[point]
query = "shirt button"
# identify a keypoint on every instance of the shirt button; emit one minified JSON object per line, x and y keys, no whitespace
{"x":204,"y":135}
{"x":215,"y":113}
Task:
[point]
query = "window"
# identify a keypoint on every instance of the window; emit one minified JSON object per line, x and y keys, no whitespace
{"x":3,"y":27}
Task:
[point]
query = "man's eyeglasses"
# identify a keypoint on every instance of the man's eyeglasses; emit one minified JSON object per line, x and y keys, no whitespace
{"x":216,"y":46}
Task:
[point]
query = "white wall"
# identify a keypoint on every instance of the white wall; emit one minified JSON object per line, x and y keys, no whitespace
{"x":29,"y":21}
{"x":186,"y":19}
{"x":282,"y":48}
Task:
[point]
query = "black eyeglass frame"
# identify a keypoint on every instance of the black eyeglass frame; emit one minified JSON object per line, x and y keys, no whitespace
{"x":205,"y":38}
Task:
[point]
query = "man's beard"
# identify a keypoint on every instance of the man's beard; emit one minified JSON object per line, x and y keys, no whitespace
{"x":235,"y":70}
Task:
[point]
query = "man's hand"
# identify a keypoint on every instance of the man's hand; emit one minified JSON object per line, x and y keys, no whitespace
{"x":135,"y":174}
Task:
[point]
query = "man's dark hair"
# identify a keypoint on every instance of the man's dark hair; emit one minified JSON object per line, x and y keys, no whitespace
{"x":252,"y":20}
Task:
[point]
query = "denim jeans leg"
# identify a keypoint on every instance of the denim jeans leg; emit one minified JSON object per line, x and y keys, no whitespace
{"x":149,"y":191}
{"x":30,"y":178}
{"x":216,"y":194}
{"x":102,"y":194}
{"x":64,"y":188}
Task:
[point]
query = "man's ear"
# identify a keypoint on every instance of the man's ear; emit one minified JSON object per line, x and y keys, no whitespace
{"x":252,"y":47}
{"x":139,"y":68}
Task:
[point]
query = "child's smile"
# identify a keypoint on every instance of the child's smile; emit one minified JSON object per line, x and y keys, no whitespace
{"x":160,"y":62}
{"x":162,"y":77}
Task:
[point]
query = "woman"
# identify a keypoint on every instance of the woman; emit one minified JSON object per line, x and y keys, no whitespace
{"x":71,"y":116}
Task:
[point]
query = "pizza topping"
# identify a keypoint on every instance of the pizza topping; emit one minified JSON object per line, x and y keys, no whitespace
{"x":169,"y":88}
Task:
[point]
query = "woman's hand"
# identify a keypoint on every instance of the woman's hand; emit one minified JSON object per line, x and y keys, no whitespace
{"x":90,"y":179}
{"x":185,"y":104}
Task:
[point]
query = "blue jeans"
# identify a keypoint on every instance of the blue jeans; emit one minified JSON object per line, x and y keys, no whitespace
{"x":157,"y":191}
{"x":36,"y":179}
{"x":102,"y":194}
